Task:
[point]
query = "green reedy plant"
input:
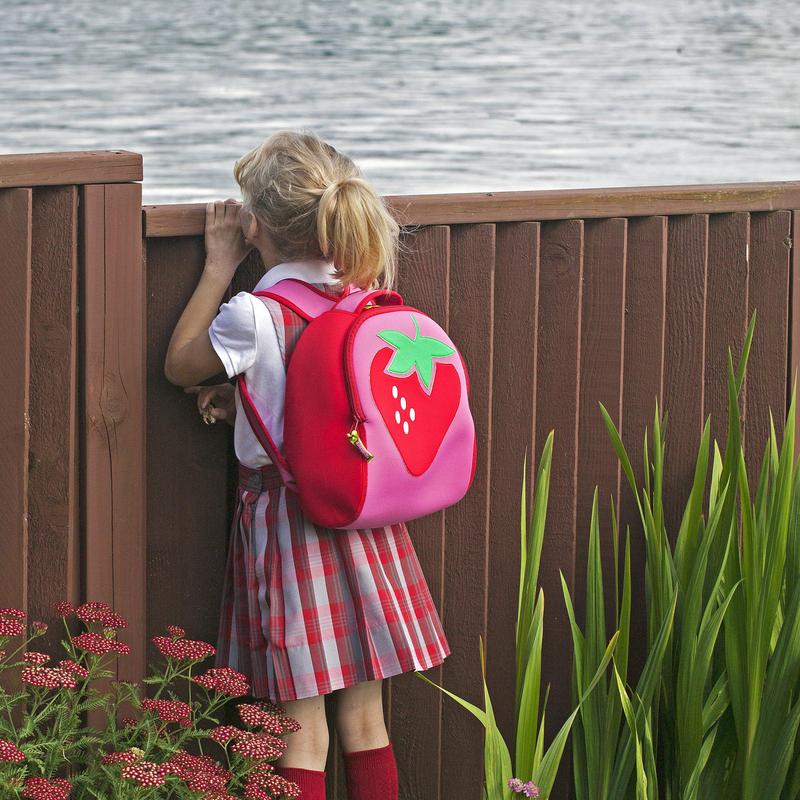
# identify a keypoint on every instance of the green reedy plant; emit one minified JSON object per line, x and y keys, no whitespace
{"x":531,"y":760}
{"x":725,"y":721}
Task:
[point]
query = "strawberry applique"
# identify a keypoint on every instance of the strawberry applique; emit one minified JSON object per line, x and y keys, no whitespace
{"x":417,"y":396}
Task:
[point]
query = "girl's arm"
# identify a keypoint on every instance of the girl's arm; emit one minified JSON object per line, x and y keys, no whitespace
{"x":191,"y":358}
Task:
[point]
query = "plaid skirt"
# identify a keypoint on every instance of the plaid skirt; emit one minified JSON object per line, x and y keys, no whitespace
{"x":307,"y":610}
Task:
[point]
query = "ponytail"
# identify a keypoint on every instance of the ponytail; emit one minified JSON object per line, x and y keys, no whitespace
{"x":356,"y":230}
{"x":315,"y":203}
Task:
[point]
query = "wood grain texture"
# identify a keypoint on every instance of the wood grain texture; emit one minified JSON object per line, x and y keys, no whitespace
{"x":687,"y":259}
{"x":726,"y":316}
{"x":643,"y":385}
{"x":188,"y":514}
{"x":15,"y":273}
{"x":187,"y":219}
{"x":54,"y":535}
{"x":472,"y":268}
{"x":113,"y":355}
{"x":766,"y":367}
{"x":69,"y":168}
{"x":516,"y":300}
{"x":600,"y":381}
{"x":557,"y":368}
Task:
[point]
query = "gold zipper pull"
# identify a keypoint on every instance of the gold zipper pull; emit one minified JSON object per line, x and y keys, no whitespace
{"x":355,"y":440}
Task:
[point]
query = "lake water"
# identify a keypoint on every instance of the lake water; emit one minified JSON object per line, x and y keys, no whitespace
{"x":425,"y":96}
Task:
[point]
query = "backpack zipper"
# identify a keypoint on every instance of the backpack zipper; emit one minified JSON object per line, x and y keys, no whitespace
{"x":355,"y":405}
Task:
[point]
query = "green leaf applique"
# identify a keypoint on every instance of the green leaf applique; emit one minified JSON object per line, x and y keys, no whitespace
{"x":418,"y":353}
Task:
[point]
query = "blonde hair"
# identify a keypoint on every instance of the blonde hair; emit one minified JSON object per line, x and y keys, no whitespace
{"x":315,"y":203}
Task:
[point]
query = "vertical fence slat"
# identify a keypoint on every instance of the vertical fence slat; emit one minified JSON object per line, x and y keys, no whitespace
{"x":54,"y":545}
{"x":726,"y":314}
{"x":15,"y":273}
{"x":766,"y":366}
{"x":683,"y":378}
{"x":472,"y":250}
{"x":602,"y":312}
{"x":643,"y":376}
{"x":186,"y":460}
{"x":113,"y":310}
{"x":513,"y":425}
{"x":414,"y":709}
{"x":557,"y":368}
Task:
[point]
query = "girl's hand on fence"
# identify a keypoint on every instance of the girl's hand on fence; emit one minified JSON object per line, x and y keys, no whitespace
{"x":215,"y":402}
{"x":224,"y":241}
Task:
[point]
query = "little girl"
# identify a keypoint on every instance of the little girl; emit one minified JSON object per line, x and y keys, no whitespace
{"x":306,"y":610}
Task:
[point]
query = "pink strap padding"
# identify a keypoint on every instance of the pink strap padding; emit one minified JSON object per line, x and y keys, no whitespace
{"x":306,"y":300}
{"x":355,"y":301}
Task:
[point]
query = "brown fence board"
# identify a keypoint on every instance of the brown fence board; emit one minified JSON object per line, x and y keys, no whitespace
{"x":766,"y":367}
{"x":558,"y":364}
{"x":54,"y":536}
{"x":726,"y":314}
{"x":602,"y":313}
{"x":187,"y":464}
{"x":114,"y":414}
{"x":414,"y":709}
{"x":513,"y":426}
{"x":187,"y":219}
{"x":15,"y":272}
{"x":16,"y":234}
{"x":683,"y":376}
{"x":55,"y":169}
{"x":643,"y":378}
{"x":468,"y":535}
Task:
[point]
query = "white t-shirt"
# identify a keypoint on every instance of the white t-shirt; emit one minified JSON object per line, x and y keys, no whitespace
{"x":245,"y":338}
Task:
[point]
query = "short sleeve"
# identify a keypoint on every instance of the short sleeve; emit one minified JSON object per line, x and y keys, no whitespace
{"x":233,"y":334}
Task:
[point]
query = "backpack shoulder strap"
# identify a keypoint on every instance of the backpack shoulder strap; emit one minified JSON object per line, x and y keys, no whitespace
{"x":304,"y":299}
{"x":263,"y":435}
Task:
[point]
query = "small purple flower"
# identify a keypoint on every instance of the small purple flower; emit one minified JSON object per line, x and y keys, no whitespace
{"x":529,"y":789}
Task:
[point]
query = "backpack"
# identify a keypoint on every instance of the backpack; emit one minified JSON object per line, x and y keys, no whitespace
{"x":377,"y":424}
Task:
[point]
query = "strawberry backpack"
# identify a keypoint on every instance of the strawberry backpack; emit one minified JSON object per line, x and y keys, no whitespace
{"x":377,"y":424}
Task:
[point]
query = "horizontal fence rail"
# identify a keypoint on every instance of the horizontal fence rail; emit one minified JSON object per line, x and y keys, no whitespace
{"x":558,"y":300}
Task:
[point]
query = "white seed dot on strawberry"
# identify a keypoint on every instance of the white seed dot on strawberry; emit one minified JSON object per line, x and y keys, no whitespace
{"x":394,"y":392}
{"x":405,"y":427}
{"x":397,"y":417}
{"x":403,"y":403}
{"x":412,"y":414}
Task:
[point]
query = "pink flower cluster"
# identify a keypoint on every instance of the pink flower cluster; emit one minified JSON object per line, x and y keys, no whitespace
{"x":183,"y":649}
{"x":10,"y":752}
{"x":99,"y":644}
{"x":529,"y":789}
{"x":263,"y":783}
{"x":224,"y":680}
{"x":44,"y":789}
{"x":258,"y":745}
{"x":170,"y":710}
{"x":47,"y":677}
{"x":11,"y":622}
{"x":267,"y":716}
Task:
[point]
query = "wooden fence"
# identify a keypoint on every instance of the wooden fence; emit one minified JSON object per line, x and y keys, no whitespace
{"x":116,"y":491}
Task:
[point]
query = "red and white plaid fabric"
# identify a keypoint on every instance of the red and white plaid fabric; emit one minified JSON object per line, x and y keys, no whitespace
{"x":307,"y":610}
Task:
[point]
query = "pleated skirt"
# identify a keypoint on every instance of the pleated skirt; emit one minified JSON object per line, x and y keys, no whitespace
{"x":307,"y":610}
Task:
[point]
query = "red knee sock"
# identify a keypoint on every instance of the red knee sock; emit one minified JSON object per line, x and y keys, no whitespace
{"x":371,"y":774}
{"x":310,"y":781}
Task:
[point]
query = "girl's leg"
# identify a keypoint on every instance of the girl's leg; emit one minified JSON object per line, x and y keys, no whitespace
{"x":303,"y":761}
{"x":308,"y":747}
{"x":370,"y":766}
{"x":359,"y":716}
